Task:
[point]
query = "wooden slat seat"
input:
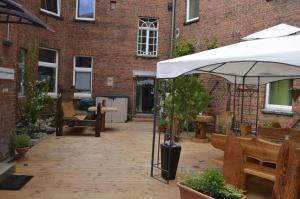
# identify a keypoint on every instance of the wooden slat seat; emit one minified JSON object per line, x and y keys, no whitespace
{"x":260,"y":171}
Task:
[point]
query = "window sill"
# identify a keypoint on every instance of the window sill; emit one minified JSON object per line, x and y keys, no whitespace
{"x":146,"y":57}
{"x":85,"y":21}
{"x":54,"y":15}
{"x":191,"y":21}
{"x":82,"y":95}
{"x":277,"y":112}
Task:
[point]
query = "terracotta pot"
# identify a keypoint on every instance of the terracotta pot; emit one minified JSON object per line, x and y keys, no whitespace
{"x":162,"y":128}
{"x":22,"y":151}
{"x":188,"y":193}
{"x":245,"y":129}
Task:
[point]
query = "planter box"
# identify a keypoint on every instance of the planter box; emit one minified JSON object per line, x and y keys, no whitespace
{"x":171,"y":153}
{"x":188,"y":193}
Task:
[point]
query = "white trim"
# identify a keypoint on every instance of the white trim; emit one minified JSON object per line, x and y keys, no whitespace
{"x":53,"y":13}
{"x":188,"y":12}
{"x":84,"y":18}
{"x":51,"y":65}
{"x":7,"y":73}
{"x":79,"y":69}
{"x":274,"y":107}
{"x":148,"y":29}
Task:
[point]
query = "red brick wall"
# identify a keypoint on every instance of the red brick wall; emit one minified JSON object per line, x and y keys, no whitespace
{"x":228,"y":23}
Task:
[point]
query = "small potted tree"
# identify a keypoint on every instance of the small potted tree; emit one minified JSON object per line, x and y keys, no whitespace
{"x":208,"y":185}
{"x":21,"y":143}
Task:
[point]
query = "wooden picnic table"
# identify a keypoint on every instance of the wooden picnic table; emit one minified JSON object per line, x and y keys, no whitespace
{"x":104,"y":109}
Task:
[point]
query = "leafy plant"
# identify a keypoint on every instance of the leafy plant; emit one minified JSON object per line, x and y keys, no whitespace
{"x":212,"y":183}
{"x":267,"y":124}
{"x":21,"y":141}
{"x":37,"y":96}
{"x":211,"y":44}
{"x":184,"y":47}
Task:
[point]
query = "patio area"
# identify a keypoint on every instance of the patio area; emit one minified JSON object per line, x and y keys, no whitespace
{"x":116,"y":165}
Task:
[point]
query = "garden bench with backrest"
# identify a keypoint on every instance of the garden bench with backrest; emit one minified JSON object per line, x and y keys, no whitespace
{"x":261,"y":158}
{"x":258,"y":156}
{"x":66,"y":114}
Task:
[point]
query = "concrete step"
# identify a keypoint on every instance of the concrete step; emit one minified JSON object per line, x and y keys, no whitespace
{"x":6,"y":170}
{"x":143,"y":118}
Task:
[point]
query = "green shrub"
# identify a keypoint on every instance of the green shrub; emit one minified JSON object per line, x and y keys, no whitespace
{"x":212,"y":183}
{"x":21,"y":141}
{"x":267,"y":124}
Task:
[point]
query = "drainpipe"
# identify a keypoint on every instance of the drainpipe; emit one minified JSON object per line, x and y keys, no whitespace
{"x":173,"y":26}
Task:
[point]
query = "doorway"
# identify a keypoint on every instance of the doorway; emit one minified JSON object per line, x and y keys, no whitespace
{"x":144,"y":95}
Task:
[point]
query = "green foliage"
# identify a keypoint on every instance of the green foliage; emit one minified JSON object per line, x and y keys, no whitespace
{"x":267,"y":124}
{"x":183,"y":47}
{"x":212,"y":183}
{"x":21,"y":141}
{"x":190,"y":99}
{"x":211,"y":44}
{"x":37,"y":96}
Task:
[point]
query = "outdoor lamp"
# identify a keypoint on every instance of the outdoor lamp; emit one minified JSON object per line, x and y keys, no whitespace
{"x":113,"y":5}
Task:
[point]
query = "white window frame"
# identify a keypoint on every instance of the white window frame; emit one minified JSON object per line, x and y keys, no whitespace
{"x":51,"y":65}
{"x":148,"y":29}
{"x":81,"y":69}
{"x":21,"y":66}
{"x":83,"y":18}
{"x":274,"y":107}
{"x":188,"y":12}
{"x":53,"y":13}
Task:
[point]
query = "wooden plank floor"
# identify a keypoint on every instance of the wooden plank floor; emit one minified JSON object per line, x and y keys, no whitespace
{"x":114,"y":166}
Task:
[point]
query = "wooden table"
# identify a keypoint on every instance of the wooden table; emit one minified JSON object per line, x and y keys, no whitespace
{"x":201,"y":122}
{"x":104,"y":109}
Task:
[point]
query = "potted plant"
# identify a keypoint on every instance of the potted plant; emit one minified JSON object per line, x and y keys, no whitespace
{"x":295,"y":92}
{"x":21,"y":143}
{"x":208,"y":185}
{"x":162,"y":125}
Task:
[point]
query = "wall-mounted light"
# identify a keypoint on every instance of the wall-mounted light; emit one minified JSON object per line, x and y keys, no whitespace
{"x":113,"y":5}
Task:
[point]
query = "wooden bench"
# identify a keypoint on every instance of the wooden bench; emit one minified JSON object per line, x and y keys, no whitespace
{"x":259,"y":156}
{"x":66,"y":114}
{"x":253,"y":156}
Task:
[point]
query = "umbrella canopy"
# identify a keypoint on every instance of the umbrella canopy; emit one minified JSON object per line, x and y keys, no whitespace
{"x":12,"y":12}
{"x":266,"y":59}
{"x":280,"y":30}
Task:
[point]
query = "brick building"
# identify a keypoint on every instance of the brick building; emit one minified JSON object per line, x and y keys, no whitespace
{"x":104,"y":46}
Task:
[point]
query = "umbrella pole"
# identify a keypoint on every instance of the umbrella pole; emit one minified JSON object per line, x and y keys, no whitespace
{"x":234,"y":103}
{"x":154,"y":124}
{"x":243,"y":95}
{"x":257,"y":105}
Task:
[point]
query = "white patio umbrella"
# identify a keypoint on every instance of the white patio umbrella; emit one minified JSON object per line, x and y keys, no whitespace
{"x":266,"y":60}
{"x":279,"y":30}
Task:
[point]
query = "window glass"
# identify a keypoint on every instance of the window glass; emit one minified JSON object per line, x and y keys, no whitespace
{"x":48,"y":74}
{"x":83,"y":82}
{"x":21,"y":71}
{"x":50,"y":5}
{"x":193,"y":9}
{"x":46,"y":55}
{"x":279,"y":93}
{"x":86,"y":9}
{"x":83,"y":62}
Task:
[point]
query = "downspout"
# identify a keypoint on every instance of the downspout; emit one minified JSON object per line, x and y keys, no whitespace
{"x":173,"y":27}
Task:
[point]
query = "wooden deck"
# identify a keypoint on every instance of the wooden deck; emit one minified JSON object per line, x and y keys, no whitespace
{"x":114,"y":166}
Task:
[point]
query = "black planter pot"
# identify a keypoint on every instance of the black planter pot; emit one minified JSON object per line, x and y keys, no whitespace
{"x":172,"y":153}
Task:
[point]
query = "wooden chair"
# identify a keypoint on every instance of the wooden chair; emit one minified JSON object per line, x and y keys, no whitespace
{"x":223,"y":123}
{"x":294,"y":135}
{"x":67,"y":115}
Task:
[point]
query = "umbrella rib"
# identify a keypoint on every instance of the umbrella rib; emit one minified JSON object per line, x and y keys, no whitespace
{"x":217,"y":67}
{"x":250,"y":69}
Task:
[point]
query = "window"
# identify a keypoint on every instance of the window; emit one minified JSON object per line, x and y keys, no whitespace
{"x":51,"y":7}
{"x":147,"y":37}
{"x":85,"y":10}
{"x":278,"y":96}
{"x":47,"y":70}
{"x":192,"y":12}
{"x":82,"y":78}
{"x":21,"y":72}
